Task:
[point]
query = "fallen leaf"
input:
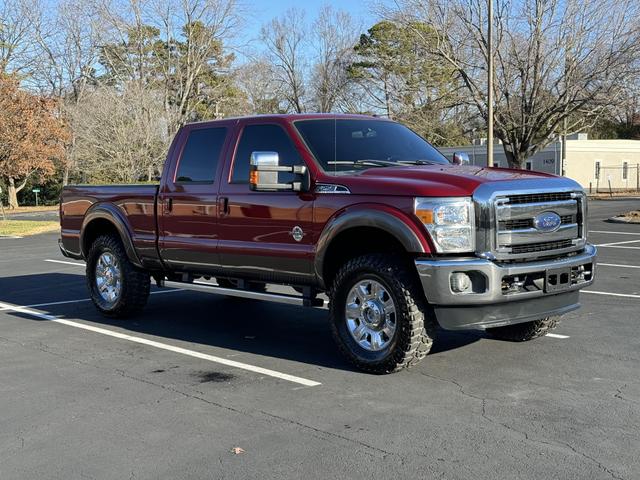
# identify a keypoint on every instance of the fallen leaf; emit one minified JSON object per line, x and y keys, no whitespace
{"x":237,"y":450}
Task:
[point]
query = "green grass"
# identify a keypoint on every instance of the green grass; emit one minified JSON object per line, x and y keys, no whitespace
{"x":22,"y":228}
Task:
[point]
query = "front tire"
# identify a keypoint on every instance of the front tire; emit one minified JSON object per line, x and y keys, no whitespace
{"x":118,"y":289}
{"x":378,"y":315}
{"x":523,"y":332}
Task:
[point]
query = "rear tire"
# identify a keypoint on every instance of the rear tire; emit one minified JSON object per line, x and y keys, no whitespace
{"x":380,"y":296}
{"x":523,"y":332}
{"x":118,"y":289}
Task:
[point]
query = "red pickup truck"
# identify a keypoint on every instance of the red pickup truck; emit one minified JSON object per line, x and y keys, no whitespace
{"x":400,"y":239}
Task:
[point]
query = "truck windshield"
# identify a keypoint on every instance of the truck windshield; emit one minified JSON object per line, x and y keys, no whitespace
{"x":344,"y":145}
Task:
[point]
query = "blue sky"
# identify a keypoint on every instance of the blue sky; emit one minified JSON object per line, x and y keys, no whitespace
{"x":262,"y":11}
{"x":266,"y":9}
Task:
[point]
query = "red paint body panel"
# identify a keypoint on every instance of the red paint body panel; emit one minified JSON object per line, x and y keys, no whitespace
{"x":222,"y":226}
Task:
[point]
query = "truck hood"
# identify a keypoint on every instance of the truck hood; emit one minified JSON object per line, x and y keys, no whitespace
{"x":440,"y":180}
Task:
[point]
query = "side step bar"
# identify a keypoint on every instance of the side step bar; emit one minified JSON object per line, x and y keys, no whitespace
{"x":200,"y":286}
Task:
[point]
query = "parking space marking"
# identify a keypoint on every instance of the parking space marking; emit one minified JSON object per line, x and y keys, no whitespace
{"x":161,"y":346}
{"x":615,"y":233}
{"x":617,"y":265}
{"x":616,"y":243}
{"x":81,"y":300}
{"x":627,"y":295}
{"x":65,"y":262}
{"x":556,"y":335}
{"x":618,"y":246}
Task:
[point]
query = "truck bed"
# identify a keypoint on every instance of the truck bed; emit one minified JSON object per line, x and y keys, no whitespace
{"x":133,"y":204}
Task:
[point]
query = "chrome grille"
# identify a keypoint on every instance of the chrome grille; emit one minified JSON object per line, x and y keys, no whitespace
{"x":516,"y":236}
{"x":539,"y":197}
{"x":528,"y":222}
{"x":540,"y":247}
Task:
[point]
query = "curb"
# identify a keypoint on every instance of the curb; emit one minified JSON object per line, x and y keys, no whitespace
{"x":623,"y":220}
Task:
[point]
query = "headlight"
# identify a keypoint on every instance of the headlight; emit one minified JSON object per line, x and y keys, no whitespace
{"x":450,"y":221}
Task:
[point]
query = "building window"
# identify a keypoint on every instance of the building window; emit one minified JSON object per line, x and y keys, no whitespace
{"x":597,"y":170}
{"x":529,"y":166}
{"x":625,"y":170}
{"x":496,"y":164}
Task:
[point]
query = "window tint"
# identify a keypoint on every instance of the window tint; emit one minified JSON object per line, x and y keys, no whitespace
{"x":264,"y":138}
{"x":200,"y":156}
{"x":339,"y":143}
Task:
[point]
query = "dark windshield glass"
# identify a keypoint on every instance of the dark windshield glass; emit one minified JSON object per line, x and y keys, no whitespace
{"x":341,"y":144}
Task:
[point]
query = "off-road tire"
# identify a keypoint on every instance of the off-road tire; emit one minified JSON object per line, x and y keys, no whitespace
{"x":135,"y":282}
{"x":415,"y":322}
{"x":523,"y":332}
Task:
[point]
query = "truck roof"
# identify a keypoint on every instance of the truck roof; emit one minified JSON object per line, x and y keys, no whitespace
{"x":290,"y":117}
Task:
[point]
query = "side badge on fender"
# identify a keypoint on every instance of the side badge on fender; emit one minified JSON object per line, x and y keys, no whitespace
{"x":297,"y":233}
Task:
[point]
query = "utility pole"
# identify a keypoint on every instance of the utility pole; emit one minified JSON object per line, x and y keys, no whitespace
{"x":490,"y":87}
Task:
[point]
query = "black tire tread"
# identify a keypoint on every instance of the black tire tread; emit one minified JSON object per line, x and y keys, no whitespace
{"x":420,"y":326}
{"x":136,"y":283}
{"x":523,"y":332}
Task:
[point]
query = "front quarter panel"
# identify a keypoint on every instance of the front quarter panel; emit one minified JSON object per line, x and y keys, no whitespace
{"x":335,"y":213}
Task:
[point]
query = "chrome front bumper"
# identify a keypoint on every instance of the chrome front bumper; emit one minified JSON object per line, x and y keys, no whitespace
{"x":489,"y":304}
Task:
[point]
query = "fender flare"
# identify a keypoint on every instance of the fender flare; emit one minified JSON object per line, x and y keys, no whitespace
{"x":105,"y":211}
{"x":381,"y":217}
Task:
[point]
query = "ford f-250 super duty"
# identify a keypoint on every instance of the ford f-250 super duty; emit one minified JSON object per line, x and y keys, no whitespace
{"x":358,"y":207}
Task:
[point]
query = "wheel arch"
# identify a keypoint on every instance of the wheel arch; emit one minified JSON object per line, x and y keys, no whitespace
{"x":102,"y":219}
{"x":384,"y":228}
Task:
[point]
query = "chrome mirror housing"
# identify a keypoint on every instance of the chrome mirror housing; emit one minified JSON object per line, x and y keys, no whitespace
{"x":265,"y":168}
{"x":460,"y":158}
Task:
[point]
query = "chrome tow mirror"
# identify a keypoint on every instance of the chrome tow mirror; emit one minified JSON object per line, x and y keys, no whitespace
{"x":265,"y":168}
{"x":460,"y":158}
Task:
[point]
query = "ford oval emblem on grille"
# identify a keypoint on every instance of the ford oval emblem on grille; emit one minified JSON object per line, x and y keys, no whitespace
{"x":547,"y":222}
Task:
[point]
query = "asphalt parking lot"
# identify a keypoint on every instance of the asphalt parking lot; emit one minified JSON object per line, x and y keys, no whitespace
{"x":172,"y":393}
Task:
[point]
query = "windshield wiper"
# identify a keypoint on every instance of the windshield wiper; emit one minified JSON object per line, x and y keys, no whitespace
{"x":365,"y":162}
{"x":416,"y":162}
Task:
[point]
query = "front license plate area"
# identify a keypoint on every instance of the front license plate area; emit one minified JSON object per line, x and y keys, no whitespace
{"x":557,"y":279}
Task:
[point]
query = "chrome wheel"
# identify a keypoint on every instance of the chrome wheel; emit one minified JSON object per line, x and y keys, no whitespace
{"x":108,"y":277}
{"x":370,"y":315}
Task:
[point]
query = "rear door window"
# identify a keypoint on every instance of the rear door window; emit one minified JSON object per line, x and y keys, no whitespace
{"x":200,"y":156}
{"x":264,"y":138}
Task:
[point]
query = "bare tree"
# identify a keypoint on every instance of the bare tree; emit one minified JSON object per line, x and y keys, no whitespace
{"x":176,"y":47}
{"x":68,"y":39}
{"x":120,"y":134}
{"x":258,"y":81}
{"x":284,"y":39}
{"x":335,"y":35}
{"x":18,"y":20}
{"x":557,"y":61}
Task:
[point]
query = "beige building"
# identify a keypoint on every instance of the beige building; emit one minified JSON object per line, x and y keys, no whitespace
{"x":592,"y":163}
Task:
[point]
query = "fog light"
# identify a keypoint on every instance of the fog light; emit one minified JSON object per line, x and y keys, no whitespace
{"x":460,"y":282}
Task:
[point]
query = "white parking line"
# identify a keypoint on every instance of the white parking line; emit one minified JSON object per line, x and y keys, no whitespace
{"x":162,"y":346}
{"x":627,"y":295}
{"x":81,"y":300}
{"x":616,"y":243}
{"x":66,"y":263}
{"x":615,"y":233}
{"x":618,"y":246}
{"x":617,"y":265}
{"x":556,"y":335}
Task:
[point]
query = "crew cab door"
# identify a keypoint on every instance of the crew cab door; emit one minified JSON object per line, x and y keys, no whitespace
{"x":266,"y":235}
{"x":187,"y":201}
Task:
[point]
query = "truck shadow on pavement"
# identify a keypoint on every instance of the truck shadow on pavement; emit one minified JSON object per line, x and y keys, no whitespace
{"x":256,"y":327}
